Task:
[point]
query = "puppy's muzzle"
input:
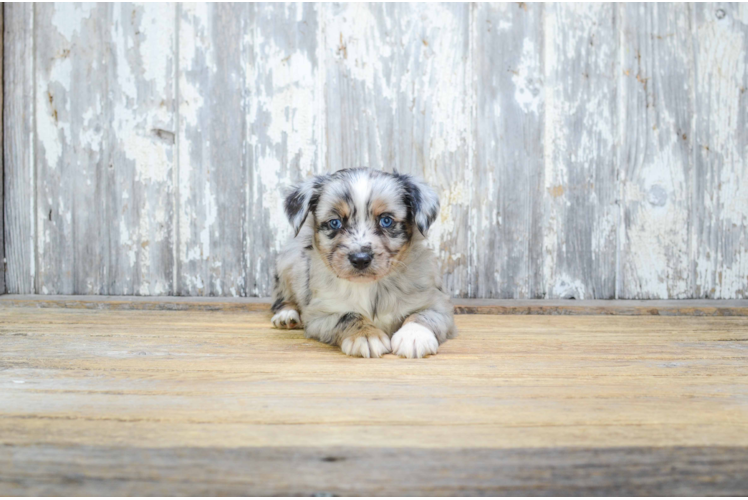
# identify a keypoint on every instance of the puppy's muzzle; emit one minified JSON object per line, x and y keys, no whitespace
{"x":360,"y":260}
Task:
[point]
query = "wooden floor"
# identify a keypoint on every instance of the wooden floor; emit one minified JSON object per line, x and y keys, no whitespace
{"x":112,"y":402}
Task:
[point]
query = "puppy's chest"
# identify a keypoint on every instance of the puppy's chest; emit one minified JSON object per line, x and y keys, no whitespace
{"x":367,"y":300}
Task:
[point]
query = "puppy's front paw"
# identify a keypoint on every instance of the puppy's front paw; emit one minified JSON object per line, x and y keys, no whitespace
{"x":367,"y":343}
{"x":414,"y":341}
{"x":287,"y":318}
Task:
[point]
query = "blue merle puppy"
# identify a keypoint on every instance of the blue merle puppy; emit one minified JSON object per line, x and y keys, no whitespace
{"x":358,"y":273}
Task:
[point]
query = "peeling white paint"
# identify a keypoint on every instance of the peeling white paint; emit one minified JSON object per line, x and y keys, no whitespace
{"x":453,"y":201}
{"x":68,"y":18}
{"x":566,"y":287}
{"x":157,"y":26}
{"x":722,"y":77}
{"x":528,"y":91}
{"x":721,"y":80}
{"x":353,"y":39}
{"x":389,"y":86}
{"x":654,"y":238}
{"x":579,"y":146}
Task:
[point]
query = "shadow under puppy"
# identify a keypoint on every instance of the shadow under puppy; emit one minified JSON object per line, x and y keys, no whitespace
{"x":358,"y":273}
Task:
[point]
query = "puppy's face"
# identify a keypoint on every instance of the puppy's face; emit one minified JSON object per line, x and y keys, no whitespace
{"x":363,"y":220}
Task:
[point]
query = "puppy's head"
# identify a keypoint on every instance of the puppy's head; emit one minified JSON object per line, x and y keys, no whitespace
{"x":364,"y":220}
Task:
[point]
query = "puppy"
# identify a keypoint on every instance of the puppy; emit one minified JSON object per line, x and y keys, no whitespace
{"x":358,"y":273}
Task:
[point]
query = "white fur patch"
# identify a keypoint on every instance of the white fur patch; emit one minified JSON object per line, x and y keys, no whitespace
{"x":373,"y":345}
{"x":414,"y":341}
{"x":287,"y":319}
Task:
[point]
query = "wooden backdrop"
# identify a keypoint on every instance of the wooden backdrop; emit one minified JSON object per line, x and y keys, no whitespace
{"x":586,"y":151}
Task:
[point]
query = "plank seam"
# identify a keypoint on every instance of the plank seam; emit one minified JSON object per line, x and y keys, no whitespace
{"x":473,"y":136}
{"x":245,"y":66}
{"x":34,"y":151}
{"x":3,"y":280}
{"x":537,"y":266}
{"x":692,"y":233}
{"x":620,"y":174}
{"x":175,"y":171}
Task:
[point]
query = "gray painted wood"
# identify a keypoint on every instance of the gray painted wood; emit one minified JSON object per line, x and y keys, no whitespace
{"x":105,"y":148}
{"x":580,"y":134}
{"x":18,"y":140}
{"x":656,"y":163}
{"x":142,"y":159}
{"x":285,"y":107}
{"x":151,"y":158}
{"x":508,"y":179}
{"x":71,"y":107}
{"x":2,"y":205}
{"x":212,"y":171}
{"x":720,"y":194}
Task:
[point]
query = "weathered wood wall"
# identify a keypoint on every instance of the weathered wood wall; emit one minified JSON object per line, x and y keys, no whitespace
{"x":2,"y":182}
{"x":585,"y":151}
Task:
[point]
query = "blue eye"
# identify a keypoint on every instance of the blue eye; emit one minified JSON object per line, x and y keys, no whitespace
{"x":385,"y":221}
{"x":335,"y":224}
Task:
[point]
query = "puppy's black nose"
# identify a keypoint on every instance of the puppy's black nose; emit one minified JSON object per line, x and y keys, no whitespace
{"x":360,"y":260}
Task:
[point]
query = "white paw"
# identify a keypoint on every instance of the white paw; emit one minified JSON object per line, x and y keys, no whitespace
{"x":287,"y":318}
{"x":414,"y":341}
{"x":371,"y":344}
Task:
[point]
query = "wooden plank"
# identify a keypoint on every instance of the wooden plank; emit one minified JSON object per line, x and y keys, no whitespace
{"x":96,"y":371}
{"x":105,"y":122}
{"x":142,"y":150}
{"x":399,"y":96}
{"x":212,"y":169}
{"x":656,"y":160}
{"x":704,"y":307}
{"x":506,"y":206}
{"x":580,"y":134}
{"x":2,"y":188}
{"x":71,"y":111}
{"x":18,"y":141}
{"x":44,"y":470}
{"x":720,"y":194}
{"x":286,"y":129}
{"x":141,"y":401}
{"x":2,"y":204}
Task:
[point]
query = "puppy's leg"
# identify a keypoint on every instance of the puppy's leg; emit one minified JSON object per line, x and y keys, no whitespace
{"x":285,"y":311}
{"x":355,"y":335}
{"x":423,"y":331}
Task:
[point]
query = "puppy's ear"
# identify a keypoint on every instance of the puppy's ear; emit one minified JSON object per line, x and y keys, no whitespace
{"x":302,"y":198}
{"x":422,"y":201}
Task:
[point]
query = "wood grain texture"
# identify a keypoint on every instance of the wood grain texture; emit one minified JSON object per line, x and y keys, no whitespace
{"x":506,"y":207}
{"x":580,"y":192}
{"x":212,"y":171}
{"x":48,"y":470}
{"x":656,"y":154}
{"x":105,"y":126}
{"x":720,"y":239}
{"x":399,"y":96}
{"x":140,"y":401}
{"x":19,"y":146}
{"x":2,"y":187}
{"x":143,"y":152}
{"x":71,"y":108}
{"x":286,"y":130}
